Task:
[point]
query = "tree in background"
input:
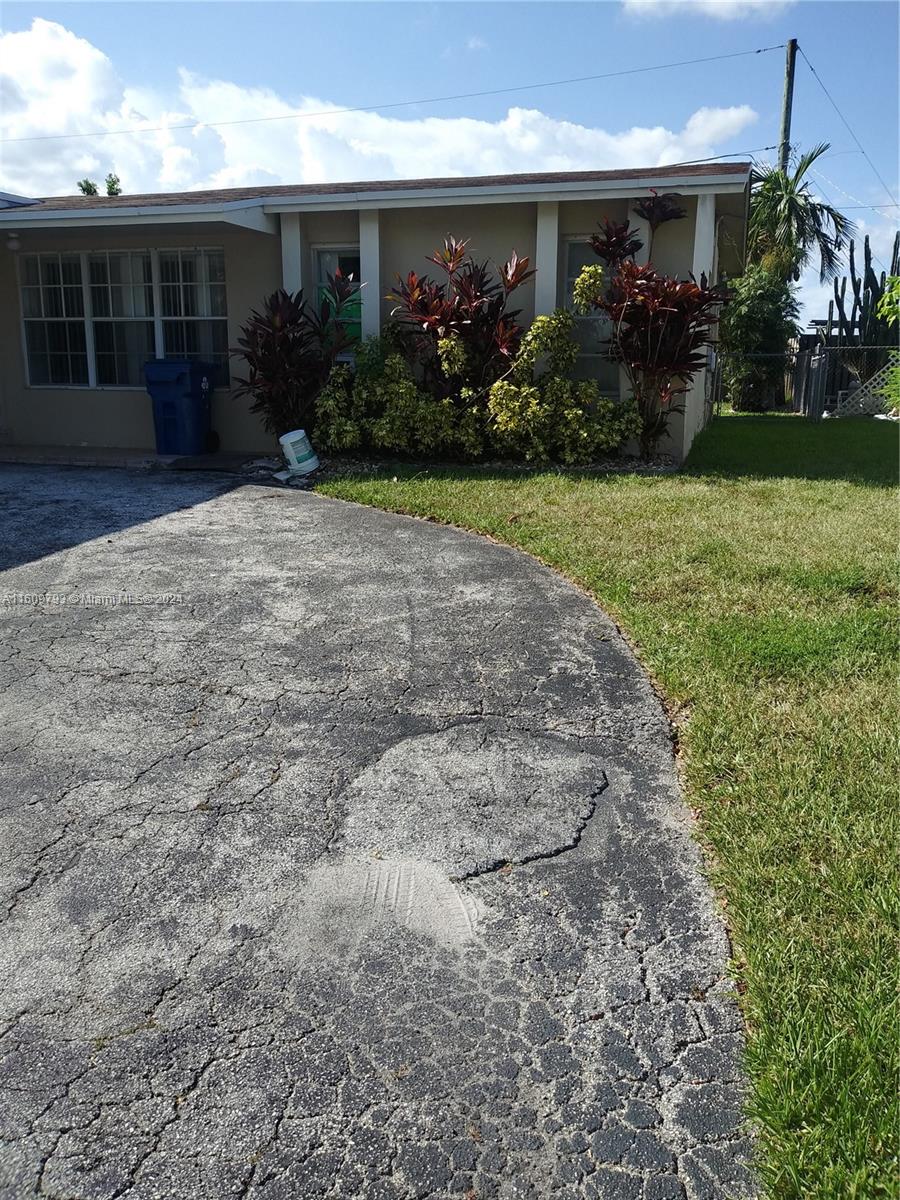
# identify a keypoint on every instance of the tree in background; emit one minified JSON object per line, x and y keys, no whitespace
{"x":789,"y":226}
{"x":87,"y":187}
{"x":756,"y":327}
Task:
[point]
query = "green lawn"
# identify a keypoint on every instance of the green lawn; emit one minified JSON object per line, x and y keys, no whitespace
{"x":759,"y":586}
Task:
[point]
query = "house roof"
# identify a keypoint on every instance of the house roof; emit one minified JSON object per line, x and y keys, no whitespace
{"x":299,"y":192}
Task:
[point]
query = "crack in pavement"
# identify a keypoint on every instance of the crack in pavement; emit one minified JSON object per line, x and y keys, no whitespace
{"x":541,"y":855}
{"x":363,"y":872}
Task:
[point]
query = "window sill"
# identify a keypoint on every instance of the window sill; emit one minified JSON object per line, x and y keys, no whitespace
{"x":82,"y":387}
{"x":101,"y":387}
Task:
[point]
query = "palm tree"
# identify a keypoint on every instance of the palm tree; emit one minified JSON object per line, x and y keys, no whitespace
{"x":788,"y":225}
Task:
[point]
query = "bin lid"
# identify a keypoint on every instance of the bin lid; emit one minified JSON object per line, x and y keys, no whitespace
{"x":170,"y":370}
{"x":166,"y":370}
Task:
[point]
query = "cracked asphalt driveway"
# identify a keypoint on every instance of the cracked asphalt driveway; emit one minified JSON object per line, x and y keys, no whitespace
{"x":343,"y":855}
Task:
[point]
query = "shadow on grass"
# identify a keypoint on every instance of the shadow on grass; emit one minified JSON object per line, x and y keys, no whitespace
{"x":862,"y":450}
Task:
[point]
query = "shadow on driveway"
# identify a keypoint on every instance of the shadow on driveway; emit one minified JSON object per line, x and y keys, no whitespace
{"x":51,"y":508}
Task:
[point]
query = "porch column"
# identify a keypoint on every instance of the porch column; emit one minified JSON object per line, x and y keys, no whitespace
{"x":704,"y":236}
{"x":546,"y":258}
{"x":702,"y":264}
{"x":370,"y":271}
{"x":291,"y":275}
{"x":641,"y":227}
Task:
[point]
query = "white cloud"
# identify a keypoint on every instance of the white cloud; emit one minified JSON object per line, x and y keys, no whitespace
{"x":55,"y":82}
{"x":476,"y":43}
{"x":52,"y":81}
{"x":722,"y":10}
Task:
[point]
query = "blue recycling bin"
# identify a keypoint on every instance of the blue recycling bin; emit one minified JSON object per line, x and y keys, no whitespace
{"x":180,"y":390}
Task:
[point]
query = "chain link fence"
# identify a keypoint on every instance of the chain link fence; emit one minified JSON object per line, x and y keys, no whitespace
{"x":815,"y":381}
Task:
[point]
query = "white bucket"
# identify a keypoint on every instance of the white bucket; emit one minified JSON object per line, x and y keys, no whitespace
{"x":300,"y":456}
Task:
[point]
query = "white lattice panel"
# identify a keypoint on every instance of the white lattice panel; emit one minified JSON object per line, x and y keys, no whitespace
{"x":866,"y":400}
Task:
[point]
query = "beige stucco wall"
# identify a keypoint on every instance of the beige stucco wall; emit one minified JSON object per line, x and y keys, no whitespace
{"x":673,"y":244}
{"x":581,"y":217}
{"x":493,"y":231}
{"x":123,"y":417}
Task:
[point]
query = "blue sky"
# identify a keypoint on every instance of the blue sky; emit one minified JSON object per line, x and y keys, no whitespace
{"x":83,"y":68}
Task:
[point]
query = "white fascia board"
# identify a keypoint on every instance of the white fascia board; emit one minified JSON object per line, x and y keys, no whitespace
{"x":492,"y":194}
{"x":119,"y":216}
{"x":252,"y":218}
{"x":247,"y":216}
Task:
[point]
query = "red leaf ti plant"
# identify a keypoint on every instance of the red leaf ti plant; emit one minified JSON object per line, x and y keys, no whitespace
{"x":615,"y":243}
{"x":290,"y":347}
{"x":470,"y":307}
{"x":661,"y":329}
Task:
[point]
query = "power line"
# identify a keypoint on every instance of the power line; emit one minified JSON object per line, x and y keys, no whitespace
{"x":689,"y":162}
{"x":857,"y":203}
{"x":828,"y":200}
{"x":859,"y":144}
{"x":333,"y":112}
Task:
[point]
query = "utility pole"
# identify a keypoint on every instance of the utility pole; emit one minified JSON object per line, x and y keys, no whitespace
{"x":787,"y":103}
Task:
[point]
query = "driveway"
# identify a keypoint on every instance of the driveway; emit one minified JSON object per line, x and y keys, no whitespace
{"x":344,"y":856}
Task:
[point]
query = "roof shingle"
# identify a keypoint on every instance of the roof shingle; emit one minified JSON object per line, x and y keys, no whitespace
{"x":301,"y":190}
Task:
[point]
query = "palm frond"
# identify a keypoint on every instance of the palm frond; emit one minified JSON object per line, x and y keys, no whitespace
{"x":786,"y":219}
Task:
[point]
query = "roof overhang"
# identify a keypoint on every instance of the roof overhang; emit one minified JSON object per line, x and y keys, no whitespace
{"x":529,"y":193}
{"x":261,"y":212}
{"x":248,"y":214}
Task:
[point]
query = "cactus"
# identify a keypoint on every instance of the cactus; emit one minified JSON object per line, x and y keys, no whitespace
{"x":864,"y":327}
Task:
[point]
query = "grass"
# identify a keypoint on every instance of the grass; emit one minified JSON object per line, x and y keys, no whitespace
{"x":759,"y":586}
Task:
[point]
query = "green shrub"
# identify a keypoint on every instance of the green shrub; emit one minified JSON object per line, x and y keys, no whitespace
{"x":377,"y":404}
{"x":337,"y":427}
{"x":548,"y":346}
{"x":559,"y":420}
{"x":756,"y":327}
{"x":890,"y":392}
{"x":590,"y":284}
{"x":534,"y":413}
{"x":409,"y":419}
{"x":538,"y":414}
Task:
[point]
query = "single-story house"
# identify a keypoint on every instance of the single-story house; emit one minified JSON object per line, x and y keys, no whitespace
{"x":91,"y":286}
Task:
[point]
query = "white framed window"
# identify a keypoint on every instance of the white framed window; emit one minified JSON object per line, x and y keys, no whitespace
{"x":121,"y":302}
{"x":592,"y":331}
{"x":53,"y":316}
{"x":192,"y":305}
{"x":93,"y":319}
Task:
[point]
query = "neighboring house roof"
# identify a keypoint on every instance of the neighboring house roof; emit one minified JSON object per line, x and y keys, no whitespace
{"x":11,"y":200}
{"x":255,"y":207}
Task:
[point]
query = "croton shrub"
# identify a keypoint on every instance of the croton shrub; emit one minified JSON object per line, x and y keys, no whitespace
{"x":537,"y":412}
{"x":379,"y":404}
{"x":457,"y":375}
